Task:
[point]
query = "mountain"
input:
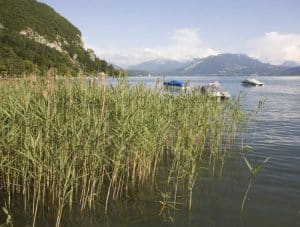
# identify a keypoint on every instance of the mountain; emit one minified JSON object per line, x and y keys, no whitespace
{"x":36,"y":39}
{"x":158,"y":66}
{"x":290,"y":64}
{"x":295,"y":71}
{"x":228,"y":64}
{"x":141,"y":73}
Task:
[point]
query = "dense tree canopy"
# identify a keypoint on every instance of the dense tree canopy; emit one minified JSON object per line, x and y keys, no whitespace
{"x":21,"y":54}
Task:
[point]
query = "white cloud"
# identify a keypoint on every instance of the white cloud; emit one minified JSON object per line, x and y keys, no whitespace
{"x":275,"y":47}
{"x":184,"y":44}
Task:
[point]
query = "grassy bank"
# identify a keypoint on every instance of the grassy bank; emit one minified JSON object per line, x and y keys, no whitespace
{"x":65,"y":145}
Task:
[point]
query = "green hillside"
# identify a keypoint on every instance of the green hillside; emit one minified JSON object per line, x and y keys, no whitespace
{"x":36,"y":39}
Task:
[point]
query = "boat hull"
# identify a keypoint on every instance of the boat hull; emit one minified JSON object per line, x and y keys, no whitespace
{"x":214,"y":90}
{"x":252,"y":82}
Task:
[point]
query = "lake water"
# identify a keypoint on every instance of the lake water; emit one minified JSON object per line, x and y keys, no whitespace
{"x":274,"y":200}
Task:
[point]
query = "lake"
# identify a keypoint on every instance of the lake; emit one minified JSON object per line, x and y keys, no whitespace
{"x":274,"y":132}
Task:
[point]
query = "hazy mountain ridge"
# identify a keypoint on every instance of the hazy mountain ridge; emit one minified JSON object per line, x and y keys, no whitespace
{"x":290,"y":64}
{"x":35,"y":38}
{"x":219,"y":65}
{"x":228,"y":64}
{"x":158,"y":66}
{"x":294,"y":71}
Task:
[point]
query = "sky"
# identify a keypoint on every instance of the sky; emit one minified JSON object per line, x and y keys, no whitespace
{"x":126,"y":32}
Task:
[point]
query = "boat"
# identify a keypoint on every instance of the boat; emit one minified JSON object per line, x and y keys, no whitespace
{"x":176,"y":84}
{"x":214,"y":89}
{"x":252,"y":82}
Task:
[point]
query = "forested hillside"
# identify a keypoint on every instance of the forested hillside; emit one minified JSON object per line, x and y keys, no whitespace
{"x":36,"y":39}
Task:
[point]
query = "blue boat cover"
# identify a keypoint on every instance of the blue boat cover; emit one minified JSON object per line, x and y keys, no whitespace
{"x":176,"y":83}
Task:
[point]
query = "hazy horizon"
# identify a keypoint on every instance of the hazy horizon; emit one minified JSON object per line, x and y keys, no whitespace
{"x":130,"y":32}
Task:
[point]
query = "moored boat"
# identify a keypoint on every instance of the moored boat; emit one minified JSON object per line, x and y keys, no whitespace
{"x":252,"y":82}
{"x":176,"y":84}
{"x":214,"y":89}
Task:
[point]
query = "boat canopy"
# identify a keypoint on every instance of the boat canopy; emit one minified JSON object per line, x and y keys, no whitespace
{"x":176,"y":83}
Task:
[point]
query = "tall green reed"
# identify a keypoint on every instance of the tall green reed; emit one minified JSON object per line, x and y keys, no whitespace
{"x":66,"y":145}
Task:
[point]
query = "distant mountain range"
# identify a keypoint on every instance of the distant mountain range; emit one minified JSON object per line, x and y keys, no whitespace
{"x":220,"y":65}
{"x":229,"y":64}
{"x":290,"y":64}
{"x":291,"y":71}
{"x":142,"y":73}
{"x":158,"y":66}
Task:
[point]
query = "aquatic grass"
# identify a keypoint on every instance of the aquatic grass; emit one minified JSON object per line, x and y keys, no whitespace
{"x":67,"y":145}
{"x":253,"y":170}
{"x":9,"y":220}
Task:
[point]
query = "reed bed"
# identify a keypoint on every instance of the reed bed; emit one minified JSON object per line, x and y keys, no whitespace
{"x":67,"y":145}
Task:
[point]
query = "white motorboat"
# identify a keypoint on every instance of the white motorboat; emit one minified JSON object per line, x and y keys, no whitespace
{"x":215,"y":90}
{"x":252,"y":82}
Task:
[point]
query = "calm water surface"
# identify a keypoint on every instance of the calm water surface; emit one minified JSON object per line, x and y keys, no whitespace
{"x":275,"y":131}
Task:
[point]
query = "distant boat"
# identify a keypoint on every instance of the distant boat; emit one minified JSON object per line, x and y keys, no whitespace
{"x":214,"y":89}
{"x":176,"y":84}
{"x":252,"y":82}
